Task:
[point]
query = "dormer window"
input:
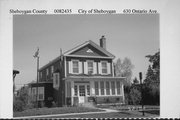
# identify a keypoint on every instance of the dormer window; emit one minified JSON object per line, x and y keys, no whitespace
{"x":104,"y":67}
{"x":75,"y":66}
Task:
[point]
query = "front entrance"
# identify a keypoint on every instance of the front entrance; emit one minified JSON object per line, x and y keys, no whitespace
{"x":82,"y":91}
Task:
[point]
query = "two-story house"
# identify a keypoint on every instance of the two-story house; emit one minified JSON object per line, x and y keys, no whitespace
{"x":80,"y":75}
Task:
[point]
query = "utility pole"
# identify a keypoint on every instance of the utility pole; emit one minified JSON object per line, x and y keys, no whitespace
{"x":142,"y":98}
{"x":37,"y":56}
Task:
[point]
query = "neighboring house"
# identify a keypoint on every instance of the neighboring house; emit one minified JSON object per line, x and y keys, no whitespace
{"x":79,"y":76}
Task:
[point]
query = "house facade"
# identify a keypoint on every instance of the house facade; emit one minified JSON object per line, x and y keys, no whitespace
{"x":84,"y":74}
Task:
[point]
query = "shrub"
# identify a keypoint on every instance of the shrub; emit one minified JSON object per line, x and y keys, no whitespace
{"x":18,"y":105}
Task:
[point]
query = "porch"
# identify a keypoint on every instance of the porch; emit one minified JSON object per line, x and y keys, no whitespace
{"x":89,"y":90}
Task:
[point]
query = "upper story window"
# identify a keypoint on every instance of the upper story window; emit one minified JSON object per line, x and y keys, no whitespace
{"x":40,"y":74}
{"x":47,"y":72}
{"x":75,"y":66}
{"x":52,"y":71}
{"x":104,"y":67}
{"x":90,"y":67}
{"x":56,"y":80}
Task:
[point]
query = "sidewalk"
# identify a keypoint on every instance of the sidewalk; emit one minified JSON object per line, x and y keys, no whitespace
{"x":67,"y":114}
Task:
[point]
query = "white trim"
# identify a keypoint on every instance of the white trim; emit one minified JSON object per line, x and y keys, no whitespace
{"x":72,"y":60}
{"x":88,"y":67}
{"x":72,"y":92}
{"x":65,"y":67}
{"x":76,"y":48}
{"x":106,"y":65}
{"x":112,"y":64}
{"x":82,"y":56}
{"x":94,"y":45}
{"x":40,"y":89}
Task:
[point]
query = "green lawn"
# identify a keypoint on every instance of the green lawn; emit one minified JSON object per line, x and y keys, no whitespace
{"x":57,"y":110}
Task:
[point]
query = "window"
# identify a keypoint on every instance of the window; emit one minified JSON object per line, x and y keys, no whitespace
{"x":75,"y":90}
{"x":40,"y":74}
{"x":118,"y":87}
{"x":107,"y":88}
{"x":88,"y":90}
{"x":113,"y":87}
{"x":90,"y":67}
{"x":102,"y":87}
{"x":40,"y":93}
{"x":104,"y":67}
{"x":96,"y":88}
{"x":75,"y":66}
{"x":81,"y":90}
{"x":52,"y":71}
{"x":33,"y":93}
{"x":47,"y":73}
{"x":56,"y":80}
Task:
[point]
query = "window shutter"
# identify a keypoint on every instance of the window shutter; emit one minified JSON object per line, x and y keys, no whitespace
{"x":94,"y":68}
{"x":108,"y":68}
{"x":85,"y":68}
{"x":99,"y":68}
{"x":80,"y":67}
{"x":70,"y":66}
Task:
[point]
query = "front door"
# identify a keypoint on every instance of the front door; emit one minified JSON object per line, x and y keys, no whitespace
{"x":82,"y":93}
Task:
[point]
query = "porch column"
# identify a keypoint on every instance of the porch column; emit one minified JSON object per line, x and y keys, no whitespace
{"x":122,"y":91}
{"x":115,"y":84}
{"x":92,"y":88}
{"x":72,"y":92}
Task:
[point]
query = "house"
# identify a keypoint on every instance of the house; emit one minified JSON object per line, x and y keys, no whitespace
{"x":84,"y":74}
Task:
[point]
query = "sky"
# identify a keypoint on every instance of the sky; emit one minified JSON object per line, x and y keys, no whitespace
{"x":133,"y":36}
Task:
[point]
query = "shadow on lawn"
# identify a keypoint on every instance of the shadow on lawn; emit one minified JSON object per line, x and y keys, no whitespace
{"x":156,"y":112}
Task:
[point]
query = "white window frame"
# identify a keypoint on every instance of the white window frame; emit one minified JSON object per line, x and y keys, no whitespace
{"x":47,"y":73}
{"x":107,"y":89}
{"x":40,"y":91}
{"x":78,"y":66}
{"x":102,"y":88}
{"x":56,"y":78}
{"x":96,"y":88}
{"x":106,"y":67}
{"x":92,"y":66}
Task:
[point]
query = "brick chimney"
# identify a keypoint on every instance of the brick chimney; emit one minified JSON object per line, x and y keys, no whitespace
{"x":103,"y":42}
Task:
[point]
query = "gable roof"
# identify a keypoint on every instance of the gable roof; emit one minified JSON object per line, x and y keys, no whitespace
{"x":90,"y":42}
{"x":67,"y":53}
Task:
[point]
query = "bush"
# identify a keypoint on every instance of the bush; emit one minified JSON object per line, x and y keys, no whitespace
{"x":135,"y":96}
{"x":18,"y":105}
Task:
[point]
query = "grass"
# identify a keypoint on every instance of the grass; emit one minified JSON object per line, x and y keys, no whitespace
{"x":132,"y":114}
{"x":57,"y":110}
{"x":129,"y":107}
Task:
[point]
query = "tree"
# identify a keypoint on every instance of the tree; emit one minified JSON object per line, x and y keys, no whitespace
{"x":155,"y":60}
{"x":135,"y":81}
{"x":124,"y":69}
{"x":151,"y":82}
{"x":150,"y":77}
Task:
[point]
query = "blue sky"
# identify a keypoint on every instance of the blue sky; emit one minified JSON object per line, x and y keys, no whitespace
{"x":132,"y":36}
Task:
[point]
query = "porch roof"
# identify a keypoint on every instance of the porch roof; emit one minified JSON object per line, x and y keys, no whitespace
{"x":94,"y":78}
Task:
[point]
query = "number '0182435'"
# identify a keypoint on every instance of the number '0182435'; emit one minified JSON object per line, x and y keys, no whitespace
{"x":127,"y":11}
{"x":62,"y":10}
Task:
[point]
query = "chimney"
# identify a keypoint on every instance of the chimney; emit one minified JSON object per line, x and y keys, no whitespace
{"x":103,"y":42}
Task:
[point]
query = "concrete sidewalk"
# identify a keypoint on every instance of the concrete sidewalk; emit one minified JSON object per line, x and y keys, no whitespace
{"x":67,"y":114}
